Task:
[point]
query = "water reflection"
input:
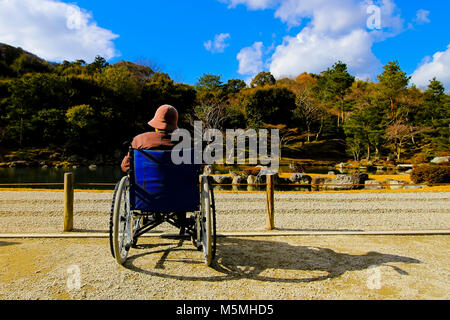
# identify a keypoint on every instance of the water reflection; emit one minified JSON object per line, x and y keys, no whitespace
{"x":111,"y":175}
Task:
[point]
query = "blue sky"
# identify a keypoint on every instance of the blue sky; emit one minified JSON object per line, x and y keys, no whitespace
{"x":286,"y":37}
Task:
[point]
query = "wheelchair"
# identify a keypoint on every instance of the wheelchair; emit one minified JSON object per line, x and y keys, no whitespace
{"x":155,"y":191}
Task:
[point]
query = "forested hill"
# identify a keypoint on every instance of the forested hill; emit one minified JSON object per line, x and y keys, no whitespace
{"x":85,"y":110}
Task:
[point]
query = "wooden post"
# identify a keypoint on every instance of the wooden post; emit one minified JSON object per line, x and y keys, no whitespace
{"x":68,"y":201}
{"x":270,"y":221}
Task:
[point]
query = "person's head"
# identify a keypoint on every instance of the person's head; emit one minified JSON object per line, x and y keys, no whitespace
{"x":166,"y":118}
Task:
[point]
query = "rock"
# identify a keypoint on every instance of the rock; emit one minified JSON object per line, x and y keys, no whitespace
{"x":208,"y":170}
{"x":373,"y":185}
{"x":279,"y":180}
{"x":295,"y":167}
{"x":44,"y":167}
{"x":18,"y":164}
{"x":331,"y":173}
{"x":438,"y":160}
{"x":318,"y":182}
{"x":251,"y":180}
{"x":223,"y":179}
{"x":347,"y":182}
{"x":233,"y":174}
{"x":260,"y":179}
{"x":58,"y":165}
{"x":381,"y":168}
{"x":92,"y":167}
{"x":239,"y":180}
{"x":395,"y":184}
{"x":413,"y":186}
{"x":300,"y":178}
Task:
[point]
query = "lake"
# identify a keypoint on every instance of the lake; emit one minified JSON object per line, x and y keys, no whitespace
{"x":86,"y":178}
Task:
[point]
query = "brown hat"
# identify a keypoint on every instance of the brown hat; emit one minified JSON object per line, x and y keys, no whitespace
{"x":166,"y":118}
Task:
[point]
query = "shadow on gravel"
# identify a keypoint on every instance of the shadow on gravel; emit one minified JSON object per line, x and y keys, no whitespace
{"x":271,"y":261}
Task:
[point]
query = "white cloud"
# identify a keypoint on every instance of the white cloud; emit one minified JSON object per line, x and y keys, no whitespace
{"x":218,"y":45}
{"x":438,"y":66}
{"x":54,"y":30}
{"x":422,"y":16}
{"x":314,"y":52}
{"x":251,"y":4}
{"x":251,"y":59}
{"x":334,"y":30}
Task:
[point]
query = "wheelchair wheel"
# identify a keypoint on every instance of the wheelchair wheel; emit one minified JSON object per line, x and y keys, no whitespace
{"x":206,"y":223}
{"x":122,"y":222}
{"x":111,"y":217}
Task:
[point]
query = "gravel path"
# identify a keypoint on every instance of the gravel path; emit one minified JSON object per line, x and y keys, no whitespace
{"x":306,"y":267}
{"x":41,"y":211}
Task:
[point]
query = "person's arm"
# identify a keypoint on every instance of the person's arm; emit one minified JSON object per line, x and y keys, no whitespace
{"x":126,"y":163}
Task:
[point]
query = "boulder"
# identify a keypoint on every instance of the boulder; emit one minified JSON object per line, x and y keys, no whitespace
{"x":92,"y":167}
{"x":222,"y":179}
{"x":331,"y":173}
{"x":318,"y":182}
{"x":251,"y":180}
{"x":395,"y":184}
{"x":208,"y":170}
{"x":413,"y":186}
{"x":438,"y":160}
{"x":373,"y":185}
{"x":347,"y":182}
{"x":239,"y":180}
{"x":300,"y":178}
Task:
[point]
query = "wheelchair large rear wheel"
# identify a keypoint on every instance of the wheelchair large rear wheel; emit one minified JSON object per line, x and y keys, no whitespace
{"x":122,"y":222}
{"x":206,"y":222}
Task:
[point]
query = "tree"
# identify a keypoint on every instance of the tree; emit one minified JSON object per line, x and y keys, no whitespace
{"x":364,"y":131}
{"x":399,"y":133}
{"x":234,"y":85}
{"x":393,"y":82}
{"x":261,"y":79}
{"x":269,"y":105}
{"x":26,"y":63}
{"x":98,"y":64}
{"x":308,"y":111}
{"x":333,"y":85}
{"x":209,"y":82}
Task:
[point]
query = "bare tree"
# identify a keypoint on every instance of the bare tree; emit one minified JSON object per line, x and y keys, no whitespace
{"x":399,"y":133}
{"x":309,"y":112}
{"x":211,"y":113}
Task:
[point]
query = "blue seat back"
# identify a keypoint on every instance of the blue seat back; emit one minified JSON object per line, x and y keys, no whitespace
{"x":159,"y":185}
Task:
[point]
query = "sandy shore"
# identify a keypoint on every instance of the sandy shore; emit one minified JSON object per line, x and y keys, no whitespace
{"x":41,"y":211}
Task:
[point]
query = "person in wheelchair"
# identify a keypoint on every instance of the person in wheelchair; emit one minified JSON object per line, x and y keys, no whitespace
{"x":164,"y":122}
{"x":156,"y":190}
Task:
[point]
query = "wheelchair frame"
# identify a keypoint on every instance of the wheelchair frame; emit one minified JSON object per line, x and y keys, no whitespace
{"x":126,"y":225}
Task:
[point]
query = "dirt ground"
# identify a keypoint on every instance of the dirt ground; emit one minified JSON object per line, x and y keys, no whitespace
{"x":301,"y":267}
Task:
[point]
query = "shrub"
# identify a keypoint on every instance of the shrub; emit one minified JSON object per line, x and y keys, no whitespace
{"x":431,"y":174}
{"x":420,"y":158}
{"x":251,"y":171}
